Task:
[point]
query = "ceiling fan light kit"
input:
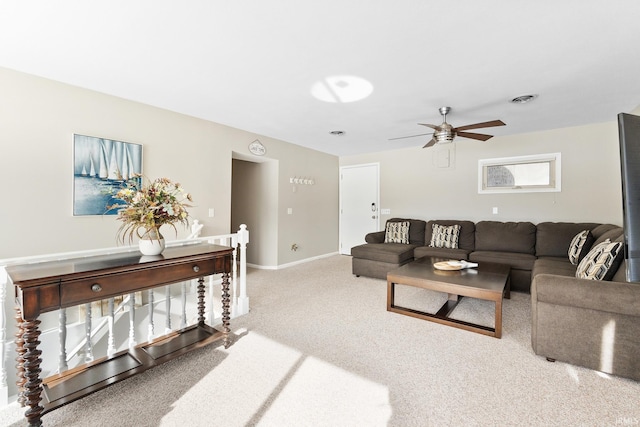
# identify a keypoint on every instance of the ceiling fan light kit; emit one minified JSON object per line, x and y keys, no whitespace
{"x":445,"y":133}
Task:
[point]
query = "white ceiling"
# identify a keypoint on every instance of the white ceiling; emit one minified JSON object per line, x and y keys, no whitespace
{"x":251,"y":64}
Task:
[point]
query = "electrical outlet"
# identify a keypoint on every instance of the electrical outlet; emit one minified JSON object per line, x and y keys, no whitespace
{"x":211,"y":212}
{"x":495,"y":210}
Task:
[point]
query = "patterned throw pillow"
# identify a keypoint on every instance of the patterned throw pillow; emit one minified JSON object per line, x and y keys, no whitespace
{"x":445,"y":236}
{"x":601,"y":262}
{"x":579,"y":246}
{"x":397,"y":232}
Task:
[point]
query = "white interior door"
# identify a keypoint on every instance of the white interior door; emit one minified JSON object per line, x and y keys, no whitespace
{"x":359,"y":204}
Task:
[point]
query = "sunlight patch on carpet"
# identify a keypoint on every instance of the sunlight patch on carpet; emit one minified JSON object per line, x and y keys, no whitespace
{"x":573,"y":373}
{"x":286,"y":387}
{"x":318,"y":385}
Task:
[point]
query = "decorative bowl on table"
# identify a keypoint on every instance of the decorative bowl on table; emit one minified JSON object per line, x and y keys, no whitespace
{"x":453,"y":265}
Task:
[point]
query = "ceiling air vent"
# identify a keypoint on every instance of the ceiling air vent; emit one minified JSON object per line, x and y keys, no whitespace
{"x":523,"y":99}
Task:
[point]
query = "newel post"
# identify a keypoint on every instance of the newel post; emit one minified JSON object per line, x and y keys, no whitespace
{"x":243,"y":300}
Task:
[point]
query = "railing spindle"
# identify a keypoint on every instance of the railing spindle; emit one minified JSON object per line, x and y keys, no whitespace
{"x":151,"y":325}
{"x":4,"y":398}
{"x":132,"y":320}
{"x":62,"y":336}
{"x":111,"y":348}
{"x":167,"y":302}
{"x":183,"y":289}
{"x":88,"y":355}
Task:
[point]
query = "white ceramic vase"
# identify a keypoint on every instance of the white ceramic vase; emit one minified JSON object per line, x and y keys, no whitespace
{"x":151,"y":243}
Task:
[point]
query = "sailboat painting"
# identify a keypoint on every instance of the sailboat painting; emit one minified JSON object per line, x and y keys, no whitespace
{"x":100,"y":168}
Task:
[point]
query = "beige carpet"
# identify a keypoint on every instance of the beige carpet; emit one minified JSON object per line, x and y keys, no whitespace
{"x":320,"y":349}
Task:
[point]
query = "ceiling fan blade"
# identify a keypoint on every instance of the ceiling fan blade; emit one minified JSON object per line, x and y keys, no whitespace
{"x":411,"y":136}
{"x":434,"y":127}
{"x":482,"y":125}
{"x":473,"y":135}
{"x":430,"y":143}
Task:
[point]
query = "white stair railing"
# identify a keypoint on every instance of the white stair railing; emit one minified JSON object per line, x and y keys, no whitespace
{"x":84,"y":347}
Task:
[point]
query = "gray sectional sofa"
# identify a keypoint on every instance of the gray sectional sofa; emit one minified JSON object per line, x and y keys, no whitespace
{"x":590,"y":323}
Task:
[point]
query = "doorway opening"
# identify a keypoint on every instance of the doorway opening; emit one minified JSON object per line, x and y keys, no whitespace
{"x":254,"y":202}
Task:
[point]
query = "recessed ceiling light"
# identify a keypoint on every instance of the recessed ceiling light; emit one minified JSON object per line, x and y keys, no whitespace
{"x":523,"y":99}
{"x":337,"y":132}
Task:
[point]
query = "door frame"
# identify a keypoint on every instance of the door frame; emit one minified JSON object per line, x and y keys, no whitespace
{"x":341,"y":225}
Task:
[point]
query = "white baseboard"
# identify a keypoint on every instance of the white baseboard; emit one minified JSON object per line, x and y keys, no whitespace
{"x":290,"y":264}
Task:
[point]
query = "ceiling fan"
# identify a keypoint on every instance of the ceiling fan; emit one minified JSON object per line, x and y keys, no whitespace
{"x":445,"y":133}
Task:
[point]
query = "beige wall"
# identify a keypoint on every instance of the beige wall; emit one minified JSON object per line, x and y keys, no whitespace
{"x":38,"y":118}
{"x":413,"y":186}
{"x":313,"y":214}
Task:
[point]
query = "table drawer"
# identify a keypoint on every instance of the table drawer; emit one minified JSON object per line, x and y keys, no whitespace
{"x":80,"y":291}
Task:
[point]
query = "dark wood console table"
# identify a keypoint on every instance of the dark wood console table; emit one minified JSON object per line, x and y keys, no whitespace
{"x":49,"y":286}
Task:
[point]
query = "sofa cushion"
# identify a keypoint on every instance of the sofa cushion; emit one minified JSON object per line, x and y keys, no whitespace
{"x":368,"y":268}
{"x":506,"y":237}
{"x":513,"y":259}
{"x":457,"y":254}
{"x":607,"y":231}
{"x":553,"y":238}
{"x":602,"y":261}
{"x":416,"y":229}
{"x":397,"y":232}
{"x":580,"y":246}
{"x":621,"y":298}
{"x":444,"y":236}
{"x":393,"y":253}
{"x":558,"y":266}
{"x":466,"y":237}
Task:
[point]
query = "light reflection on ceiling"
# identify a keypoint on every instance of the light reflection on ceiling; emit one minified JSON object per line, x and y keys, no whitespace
{"x":342,"y":89}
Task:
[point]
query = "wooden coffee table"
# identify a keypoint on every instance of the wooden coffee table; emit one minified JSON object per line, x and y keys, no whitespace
{"x":488,"y":281}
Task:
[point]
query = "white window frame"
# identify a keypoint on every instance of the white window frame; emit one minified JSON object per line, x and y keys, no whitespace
{"x":554,"y":160}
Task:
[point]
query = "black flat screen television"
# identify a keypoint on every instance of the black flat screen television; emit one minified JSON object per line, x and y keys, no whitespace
{"x":629,"y":135}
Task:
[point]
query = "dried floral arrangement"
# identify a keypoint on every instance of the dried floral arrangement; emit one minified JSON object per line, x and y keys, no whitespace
{"x":148,"y":206}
